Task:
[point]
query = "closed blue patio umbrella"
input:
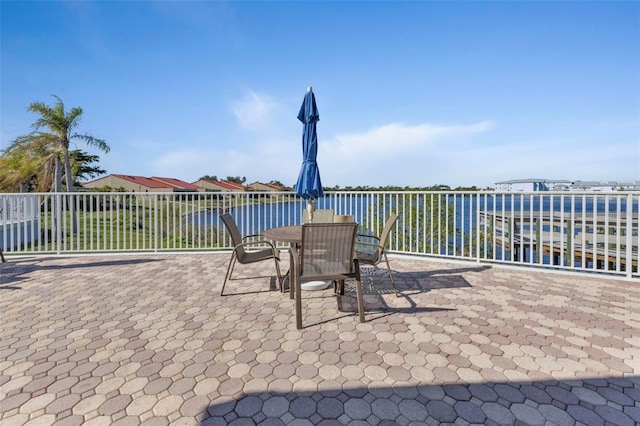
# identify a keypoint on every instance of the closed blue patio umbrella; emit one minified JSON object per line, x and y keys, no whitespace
{"x":309,"y":186}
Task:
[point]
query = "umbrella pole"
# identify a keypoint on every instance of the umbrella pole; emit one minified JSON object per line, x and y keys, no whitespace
{"x":314,"y":285}
{"x":310,"y":208}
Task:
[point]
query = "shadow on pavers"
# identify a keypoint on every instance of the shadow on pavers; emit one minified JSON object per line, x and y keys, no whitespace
{"x":612,"y":400}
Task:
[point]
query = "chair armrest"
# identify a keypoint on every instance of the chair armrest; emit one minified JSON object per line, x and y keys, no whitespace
{"x":364,"y":243}
{"x":251,"y":236}
{"x":369,"y":236}
{"x":368,"y":249}
{"x":253,"y":243}
{"x":356,"y":264}
{"x":276,"y":251}
{"x":294,"y":258}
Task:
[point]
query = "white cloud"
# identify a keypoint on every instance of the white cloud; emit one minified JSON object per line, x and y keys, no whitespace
{"x":395,"y":139}
{"x":485,"y":164}
{"x":396,"y":154}
{"x":263,"y":161}
{"x":255,"y":112}
{"x":563,"y":159}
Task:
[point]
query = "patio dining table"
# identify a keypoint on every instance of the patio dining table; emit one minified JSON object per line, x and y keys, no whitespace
{"x":286,"y":234}
{"x":292,"y":234}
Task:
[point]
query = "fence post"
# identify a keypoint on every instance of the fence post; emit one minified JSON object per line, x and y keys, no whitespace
{"x":478,"y":227}
{"x":512,"y":248}
{"x":538,"y":240}
{"x":58,"y":221}
{"x":569,"y":252}
{"x":629,"y":239}
{"x":155,"y":222}
{"x":4,"y":216}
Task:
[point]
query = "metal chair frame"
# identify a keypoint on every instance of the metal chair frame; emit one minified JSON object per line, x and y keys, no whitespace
{"x":380,"y":252}
{"x":319,"y":216}
{"x":243,"y":256}
{"x":326,"y":253}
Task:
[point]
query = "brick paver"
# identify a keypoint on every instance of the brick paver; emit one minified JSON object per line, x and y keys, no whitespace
{"x":147,"y":339}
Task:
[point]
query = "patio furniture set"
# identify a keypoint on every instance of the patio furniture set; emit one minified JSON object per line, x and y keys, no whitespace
{"x":329,"y":249}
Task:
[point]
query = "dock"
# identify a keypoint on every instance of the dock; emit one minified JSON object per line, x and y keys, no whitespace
{"x":567,"y":238}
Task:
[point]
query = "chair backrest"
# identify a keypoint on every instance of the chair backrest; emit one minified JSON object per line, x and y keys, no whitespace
{"x":319,"y":216}
{"x":234,"y":233}
{"x":388,"y":225}
{"x":343,"y":218}
{"x":328,"y":249}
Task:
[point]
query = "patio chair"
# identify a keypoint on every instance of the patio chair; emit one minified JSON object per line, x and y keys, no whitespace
{"x":243,"y":256}
{"x":370,"y":249}
{"x":343,"y":218}
{"x":319,"y":216}
{"x":326,"y":253}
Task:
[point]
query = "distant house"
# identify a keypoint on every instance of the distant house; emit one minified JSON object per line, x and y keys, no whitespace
{"x":235,"y":185}
{"x":177,"y":184}
{"x":211,"y":185}
{"x":132,"y":183}
{"x":265,"y":187}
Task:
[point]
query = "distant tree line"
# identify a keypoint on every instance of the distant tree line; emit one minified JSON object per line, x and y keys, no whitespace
{"x":235,"y":179}
{"x":438,"y":187}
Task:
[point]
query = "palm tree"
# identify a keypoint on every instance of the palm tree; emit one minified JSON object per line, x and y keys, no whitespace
{"x":61,"y":132}
{"x":29,"y":164}
{"x":82,"y":166}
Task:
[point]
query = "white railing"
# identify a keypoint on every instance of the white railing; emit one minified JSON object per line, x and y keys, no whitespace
{"x":590,"y":232}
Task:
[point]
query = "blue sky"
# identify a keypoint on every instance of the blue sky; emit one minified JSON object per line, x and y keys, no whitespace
{"x":409,"y":93}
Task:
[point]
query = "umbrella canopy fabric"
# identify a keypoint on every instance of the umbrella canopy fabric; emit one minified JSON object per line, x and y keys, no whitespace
{"x":309,"y":186}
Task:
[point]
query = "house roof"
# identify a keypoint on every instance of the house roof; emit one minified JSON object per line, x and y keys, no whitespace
{"x":234,"y":185}
{"x":157,"y":182}
{"x":176,"y":183}
{"x":141,"y":180}
{"x":152,"y":182}
{"x":225,"y":184}
{"x":269,"y":185}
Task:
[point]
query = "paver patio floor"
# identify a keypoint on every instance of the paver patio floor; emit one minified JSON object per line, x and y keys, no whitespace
{"x":147,"y":339}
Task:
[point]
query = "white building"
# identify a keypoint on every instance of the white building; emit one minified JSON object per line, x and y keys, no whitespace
{"x":532,"y":184}
{"x":536,"y":185}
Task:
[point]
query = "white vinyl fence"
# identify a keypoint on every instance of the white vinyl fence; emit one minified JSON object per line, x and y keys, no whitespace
{"x":590,"y":232}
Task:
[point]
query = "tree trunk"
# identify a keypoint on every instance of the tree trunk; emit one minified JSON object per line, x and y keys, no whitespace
{"x":67,"y":171}
{"x":57,"y":180}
